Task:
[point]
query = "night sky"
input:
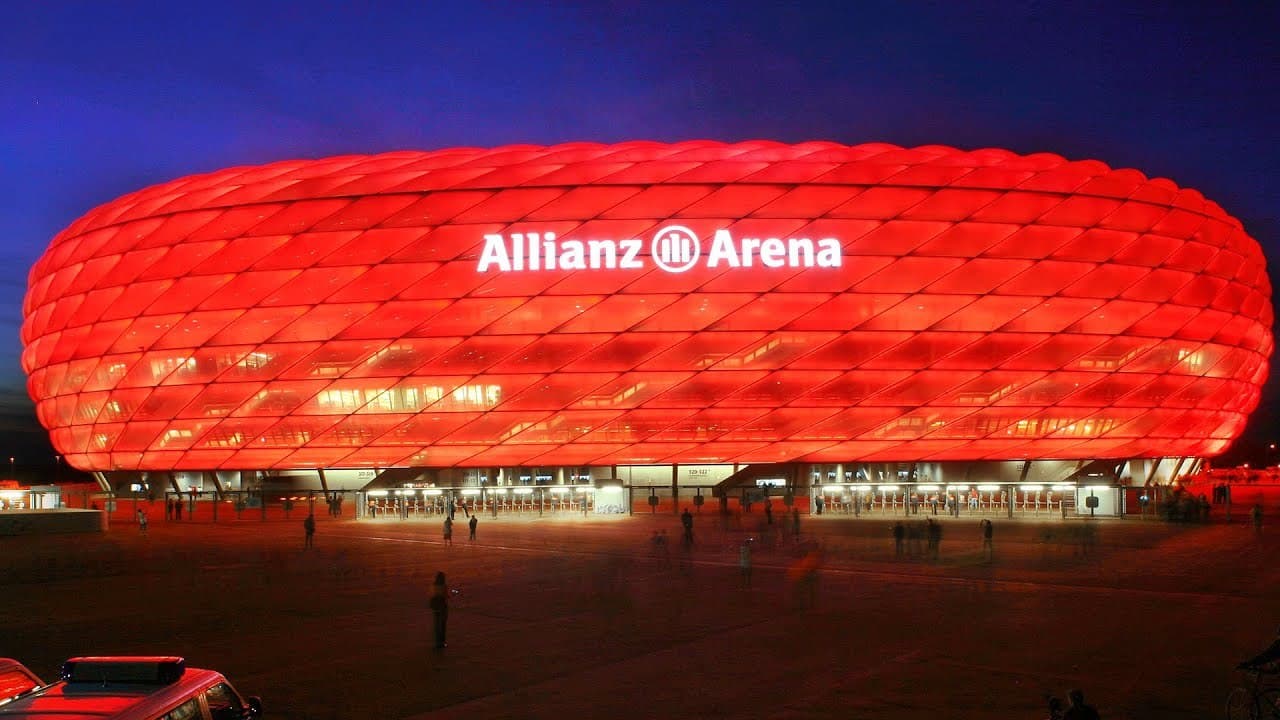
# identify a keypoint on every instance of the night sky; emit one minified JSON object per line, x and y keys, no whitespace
{"x":100,"y":99}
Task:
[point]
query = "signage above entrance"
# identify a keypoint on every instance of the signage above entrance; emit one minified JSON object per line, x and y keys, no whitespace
{"x":673,"y":249}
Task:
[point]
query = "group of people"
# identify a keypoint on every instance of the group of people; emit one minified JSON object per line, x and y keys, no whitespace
{"x":448,"y":528}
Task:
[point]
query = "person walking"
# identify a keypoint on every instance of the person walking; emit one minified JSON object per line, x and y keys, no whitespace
{"x":986,"y":539}
{"x":795,"y":523}
{"x":1256,"y":513}
{"x":686,"y":519}
{"x":309,"y":527}
{"x":1077,"y":709}
{"x":768,"y":512}
{"x":448,"y":531}
{"x":142,"y":521}
{"x":439,"y":609}
{"x":472,"y":525}
{"x":899,"y":534}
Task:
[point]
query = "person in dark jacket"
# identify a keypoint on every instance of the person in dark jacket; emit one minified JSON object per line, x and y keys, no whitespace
{"x":439,"y":609}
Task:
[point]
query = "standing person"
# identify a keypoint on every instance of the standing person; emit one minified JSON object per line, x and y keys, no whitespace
{"x":899,"y":533}
{"x":768,"y":512}
{"x":744,"y":562}
{"x":448,"y":531}
{"x":933,"y":535}
{"x":472,"y":525}
{"x":168,"y":508}
{"x":309,"y":527}
{"x":1257,"y":518}
{"x":986,"y":539}
{"x":177,"y":508}
{"x":439,"y":609}
{"x":142,"y":521}
{"x":686,"y":519}
{"x":1077,"y":709}
{"x":795,"y":523}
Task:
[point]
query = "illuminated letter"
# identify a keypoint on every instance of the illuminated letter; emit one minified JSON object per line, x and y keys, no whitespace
{"x":772,"y":253}
{"x":534,"y":255}
{"x":801,"y":252}
{"x":605,"y":248}
{"x":749,"y":246}
{"x":517,"y":251}
{"x":630,"y":248}
{"x":495,"y":253}
{"x":829,"y":252}
{"x":549,"y":250}
{"x":722,"y":249}
{"x":572,"y":256}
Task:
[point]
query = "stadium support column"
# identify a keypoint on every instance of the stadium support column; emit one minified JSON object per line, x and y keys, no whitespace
{"x":1151,"y":472}
{"x":675,"y":488}
{"x":219,"y":494}
{"x":1022,"y":478}
{"x":173,"y":483}
{"x":1173,"y":477}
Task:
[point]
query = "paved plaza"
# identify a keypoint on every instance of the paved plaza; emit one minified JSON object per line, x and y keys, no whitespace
{"x":584,"y":617}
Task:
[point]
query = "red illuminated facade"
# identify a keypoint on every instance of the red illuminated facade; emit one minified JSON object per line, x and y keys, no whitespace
{"x":646,"y":303}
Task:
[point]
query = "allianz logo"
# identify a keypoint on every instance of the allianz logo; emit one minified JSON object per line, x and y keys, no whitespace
{"x":673,"y":248}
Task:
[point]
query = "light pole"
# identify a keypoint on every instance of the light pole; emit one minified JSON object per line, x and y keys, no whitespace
{"x":12,"y":475}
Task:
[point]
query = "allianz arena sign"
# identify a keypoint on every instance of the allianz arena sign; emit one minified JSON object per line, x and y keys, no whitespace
{"x":673,"y":249}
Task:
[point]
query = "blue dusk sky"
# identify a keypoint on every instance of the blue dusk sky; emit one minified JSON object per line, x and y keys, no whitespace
{"x":98,"y":99}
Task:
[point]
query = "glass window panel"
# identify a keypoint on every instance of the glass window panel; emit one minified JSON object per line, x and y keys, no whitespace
{"x":220,"y":399}
{"x":401,"y":357}
{"x":481,"y":392}
{"x":182,"y":434}
{"x":333,"y":359}
{"x":1156,"y":392}
{"x":922,"y":350}
{"x":879,"y":203}
{"x":548,"y":353}
{"x":616,"y":313}
{"x":694,"y":312}
{"x":1112,"y":318}
{"x":312,"y":286}
{"x":918,"y":312}
{"x":508,"y":205}
{"x":135,"y":299}
{"x":283,"y":397}
{"x":706,"y":425}
{"x":922,"y":387}
{"x":234,"y":433}
{"x":393,"y":319}
{"x":1052,"y":315}
{"x":95,"y":305}
{"x":494,"y":428}
{"x":256,"y":325}
{"x":247,"y":289}
{"x":702,"y":350}
{"x":303,"y":251}
{"x":465,"y":317}
{"x":289,"y":432}
{"x":1056,"y":352}
{"x":165,"y":402}
{"x":635,"y":426}
{"x":770,"y":312}
{"x":131,"y":265}
{"x":541,"y":314}
{"x":374,"y":246}
{"x":705,"y":388}
{"x":847,"y":424}
{"x":455,"y":245}
{"x":369,"y":210}
{"x":850,"y":350}
{"x":475,"y":354}
{"x":853,"y":387}
{"x":323,"y":322}
{"x":776,"y":350}
{"x":556,"y":392}
{"x":624,"y":352}
{"x":181,"y":259}
{"x":1109,"y":389}
{"x":979,"y":276}
{"x":776,"y":424}
{"x":239,"y":255}
{"x":564,"y":427}
{"x":1164,"y":321}
{"x":714,"y":452}
{"x":358,"y":430}
{"x":240,"y":363}
{"x":426,"y":428}
{"x":437,"y":208}
{"x":631,"y":390}
{"x":780,"y":387}
{"x":383,"y":282}
{"x":195,"y":329}
{"x":1050,"y":389}
{"x":344,"y":397}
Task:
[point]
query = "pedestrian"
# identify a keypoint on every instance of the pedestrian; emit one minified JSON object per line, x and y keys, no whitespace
{"x":1077,"y":709}
{"x":744,"y":562}
{"x":686,"y":519}
{"x":585,"y":501}
{"x":986,"y":539}
{"x":142,"y":521}
{"x":899,"y":534}
{"x":795,"y":523}
{"x":817,"y":503}
{"x":472,"y":524}
{"x":1257,"y":518}
{"x":448,"y":531}
{"x":440,"y":609}
{"x":768,"y":512}
{"x":309,"y":526}
{"x":933,"y":535}
{"x":168,"y":508}
{"x":451,"y":507}
{"x":177,"y":508}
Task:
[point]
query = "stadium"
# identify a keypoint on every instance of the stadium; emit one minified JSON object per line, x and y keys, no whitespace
{"x":859,"y":326}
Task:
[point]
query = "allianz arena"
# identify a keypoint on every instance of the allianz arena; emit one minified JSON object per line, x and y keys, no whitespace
{"x":588,"y":312}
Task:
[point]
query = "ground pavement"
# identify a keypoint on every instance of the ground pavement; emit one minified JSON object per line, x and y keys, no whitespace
{"x":584,"y":617}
